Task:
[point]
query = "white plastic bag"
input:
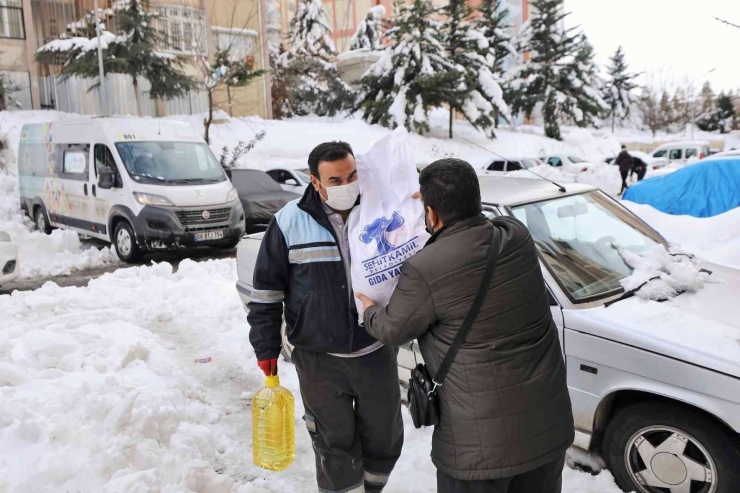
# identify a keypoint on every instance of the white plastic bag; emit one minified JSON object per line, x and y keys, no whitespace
{"x":388,"y":227}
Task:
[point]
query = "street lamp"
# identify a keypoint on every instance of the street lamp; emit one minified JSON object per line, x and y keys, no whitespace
{"x":693,"y":102}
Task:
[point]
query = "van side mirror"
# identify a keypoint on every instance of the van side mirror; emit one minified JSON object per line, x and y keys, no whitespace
{"x":291,"y":182}
{"x":107,"y":178}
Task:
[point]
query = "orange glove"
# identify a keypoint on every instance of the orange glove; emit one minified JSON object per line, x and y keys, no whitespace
{"x":269,"y":366}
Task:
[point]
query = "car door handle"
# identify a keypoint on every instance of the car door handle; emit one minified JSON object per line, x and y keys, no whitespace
{"x":95,"y":193}
{"x":85,"y":188}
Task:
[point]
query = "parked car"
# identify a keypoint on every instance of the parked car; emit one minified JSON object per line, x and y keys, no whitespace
{"x":569,"y":163}
{"x":681,"y":152}
{"x":725,"y":154}
{"x":655,"y":386}
{"x":514,"y":164}
{"x":9,"y":268}
{"x":705,"y":189}
{"x":260,"y":195}
{"x":143,"y":185}
{"x":291,"y":179}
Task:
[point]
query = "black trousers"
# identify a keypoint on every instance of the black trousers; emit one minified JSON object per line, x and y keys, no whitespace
{"x":624,"y":180}
{"x":544,"y":479}
{"x":353,"y":415}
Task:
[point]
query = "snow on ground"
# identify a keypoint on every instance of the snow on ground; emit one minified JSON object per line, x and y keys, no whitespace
{"x":716,"y":239}
{"x":100,"y":391}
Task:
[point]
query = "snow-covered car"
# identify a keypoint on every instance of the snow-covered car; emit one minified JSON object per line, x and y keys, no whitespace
{"x":682,"y":152}
{"x":9,"y":268}
{"x":568,"y":162}
{"x":726,"y":154}
{"x":291,"y":179}
{"x":514,"y":164}
{"x":260,"y":196}
{"x":655,"y":386}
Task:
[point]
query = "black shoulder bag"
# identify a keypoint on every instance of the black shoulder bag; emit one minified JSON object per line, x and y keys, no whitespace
{"x":422,"y":394}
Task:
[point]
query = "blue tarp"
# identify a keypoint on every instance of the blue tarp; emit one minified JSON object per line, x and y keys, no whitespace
{"x":704,"y":189}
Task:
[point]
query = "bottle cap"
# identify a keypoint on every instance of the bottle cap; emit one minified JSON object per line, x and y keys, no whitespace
{"x":272,"y":381}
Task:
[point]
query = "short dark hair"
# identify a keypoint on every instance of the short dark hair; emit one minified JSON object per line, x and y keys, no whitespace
{"x":624,"y":147}
{"x":328,"y":151}
{"x":450,"y":187}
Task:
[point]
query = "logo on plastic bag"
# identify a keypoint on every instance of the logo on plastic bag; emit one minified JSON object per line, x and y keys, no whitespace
{"x":387,"y":265}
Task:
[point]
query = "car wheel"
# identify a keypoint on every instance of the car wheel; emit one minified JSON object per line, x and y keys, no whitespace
{"x":42,"y":221}
{"x":125,"y":243}
{"x":658,"y":447}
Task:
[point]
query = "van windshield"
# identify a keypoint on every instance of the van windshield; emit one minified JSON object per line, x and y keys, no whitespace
{"x":170,"y":163}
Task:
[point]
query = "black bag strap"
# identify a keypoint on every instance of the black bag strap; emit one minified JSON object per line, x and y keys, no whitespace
{"x":467,"y":324}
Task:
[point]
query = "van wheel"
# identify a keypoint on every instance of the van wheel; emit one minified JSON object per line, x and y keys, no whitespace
{"x":658,"y":447}
{"x":42,"y":221}
{"x":125,"y":241}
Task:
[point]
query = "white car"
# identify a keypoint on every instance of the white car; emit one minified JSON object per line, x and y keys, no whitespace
{"x":725,"y":154}
{"x":9,"y":268}
{"x":569,"y":163}
{"x":291,"y":179}
{"x":682,"y":152}
{"x":514,"y":164}
{"x":655,"y":387}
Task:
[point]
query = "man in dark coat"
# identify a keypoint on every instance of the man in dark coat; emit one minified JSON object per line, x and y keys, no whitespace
{"x":638,"y":167}
{"x":505,"y":414}
{"x":624,"y":161}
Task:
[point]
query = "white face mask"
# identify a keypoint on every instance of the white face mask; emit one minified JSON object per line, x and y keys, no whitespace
{"x":342,"y":198}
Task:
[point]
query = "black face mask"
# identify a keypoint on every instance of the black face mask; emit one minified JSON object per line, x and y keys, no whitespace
{"x":427,"y":226}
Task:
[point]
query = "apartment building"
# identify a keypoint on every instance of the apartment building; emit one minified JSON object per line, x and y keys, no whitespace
{"x":194,"y":29}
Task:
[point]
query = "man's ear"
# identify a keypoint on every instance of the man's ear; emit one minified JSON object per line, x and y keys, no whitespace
{"x":433,"y":217}
{"x":316,"y":184}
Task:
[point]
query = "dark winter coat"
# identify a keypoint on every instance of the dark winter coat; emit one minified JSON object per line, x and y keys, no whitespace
{"x":624,"y":161}
{"x":300,"y":265}
{"x":505,"y":408}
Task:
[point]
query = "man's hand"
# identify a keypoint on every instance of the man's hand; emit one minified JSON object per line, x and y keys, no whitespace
{"x":269,"y":366}
{"x":366,"y":302}
{"x":416,"y":195}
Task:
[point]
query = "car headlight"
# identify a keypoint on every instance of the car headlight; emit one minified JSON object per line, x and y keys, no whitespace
{"x":151,"y":199}
{"x":232,"y":195}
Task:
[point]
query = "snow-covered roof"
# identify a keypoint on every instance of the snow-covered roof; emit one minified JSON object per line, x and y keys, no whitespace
{"x":119,"y":129}
{"x":513,"y":191}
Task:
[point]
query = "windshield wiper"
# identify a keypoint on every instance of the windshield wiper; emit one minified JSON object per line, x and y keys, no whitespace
{"x":195,"y":180}
{"x":630,"y":293}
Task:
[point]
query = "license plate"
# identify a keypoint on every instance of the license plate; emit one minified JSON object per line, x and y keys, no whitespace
{"x":209,"y":236}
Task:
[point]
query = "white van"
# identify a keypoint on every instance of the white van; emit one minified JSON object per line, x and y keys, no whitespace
{"x":681,"y":152}
{"x":141,"y":184}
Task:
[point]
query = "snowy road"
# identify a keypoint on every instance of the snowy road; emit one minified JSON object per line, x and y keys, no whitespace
{"x":100,"y":391}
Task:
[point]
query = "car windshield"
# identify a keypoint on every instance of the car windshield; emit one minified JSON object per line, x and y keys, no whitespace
{"x":170,"y":163}
{"x":574,"y":159}
{"x":303,"y":177}
{"x":575,"y":236}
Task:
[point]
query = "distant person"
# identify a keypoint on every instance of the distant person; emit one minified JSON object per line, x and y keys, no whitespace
{"x":624,"y":161}
{"x":639,"y":168}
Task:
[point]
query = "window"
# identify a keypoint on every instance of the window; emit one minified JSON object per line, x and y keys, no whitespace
{"x":690,"y":153}
{"x":574,"y":159}
{"x":675,"y":154}
{"x":280,"y":175}
{"x":554,"y":161}
{"x":660,"y":153}
{"x":11,"y":19}
{"x":240,"y":42}
{"x":75,"y":163}
{"x":181,"y":29}
{"x":513,"y":166}
{"x":497,"y":166}
{"x":103,"y":158}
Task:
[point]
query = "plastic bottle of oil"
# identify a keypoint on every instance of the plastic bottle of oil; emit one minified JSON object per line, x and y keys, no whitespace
{"x":273,"y":426}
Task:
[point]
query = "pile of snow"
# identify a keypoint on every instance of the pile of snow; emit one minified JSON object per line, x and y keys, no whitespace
{"x":660,"y":274}
{"x":716,"y":239}
{"x":106,"y":389}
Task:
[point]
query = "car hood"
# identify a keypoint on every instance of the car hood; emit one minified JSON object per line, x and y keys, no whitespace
{"x":264,"y":205}
{"x":702,"y":328}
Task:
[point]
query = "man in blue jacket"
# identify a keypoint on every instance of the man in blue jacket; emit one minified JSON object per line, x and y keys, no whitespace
{"x":348,"y":380}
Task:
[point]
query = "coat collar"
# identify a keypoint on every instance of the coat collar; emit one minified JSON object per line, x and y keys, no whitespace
{"x":455,"y":226}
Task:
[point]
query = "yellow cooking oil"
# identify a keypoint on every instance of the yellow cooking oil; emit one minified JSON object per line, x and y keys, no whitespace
{"x":273,"y":426}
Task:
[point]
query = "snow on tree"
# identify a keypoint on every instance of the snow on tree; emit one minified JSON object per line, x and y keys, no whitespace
{"x":721,"y":118}
{"x":132,"y":51}
{"x":560,"y":76}
{"x":480,"y":97}
{"x":370,"y":31}
{"x":618,"y":93}
{"x":414,"y":74}
{"x":316,"y":86}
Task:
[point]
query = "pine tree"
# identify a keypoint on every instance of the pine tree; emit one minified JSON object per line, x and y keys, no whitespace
{"x":722,"y":118}
{"x":369,"y":32}
{"x":552,"y":77}
{"x":133,"y":51}
{"x":492,"y":23}
{"x":480,"y":96}
{"x":667,"y":111}
{"x":317,"y":87}
{"x":413,"y":75}
{"x":707,"y":98}
{"x":618,"y":90}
